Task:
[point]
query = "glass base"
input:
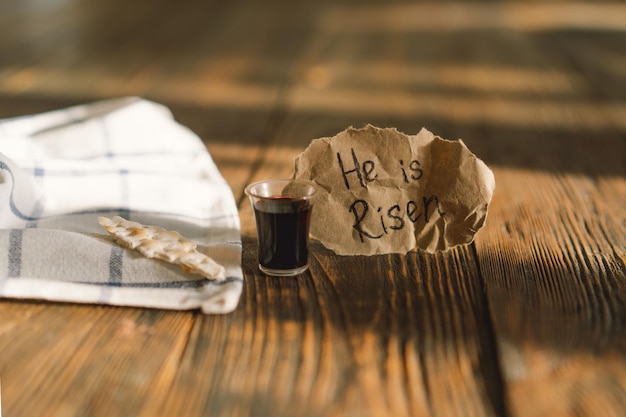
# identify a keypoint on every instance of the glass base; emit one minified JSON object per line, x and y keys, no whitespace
{"x":283,"y":272}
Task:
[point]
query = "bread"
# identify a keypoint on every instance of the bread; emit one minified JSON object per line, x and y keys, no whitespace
{"x":159,"y":243}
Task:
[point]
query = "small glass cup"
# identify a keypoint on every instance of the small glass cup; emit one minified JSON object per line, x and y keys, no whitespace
{"x":282,"y":210}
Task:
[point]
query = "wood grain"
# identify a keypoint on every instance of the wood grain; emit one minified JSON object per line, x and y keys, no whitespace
{"x":553,"y":256}
{"x":85,"y":360}
{"x":557,"y":282}
{"x":527,"y":321}
{"x":381,"y":341}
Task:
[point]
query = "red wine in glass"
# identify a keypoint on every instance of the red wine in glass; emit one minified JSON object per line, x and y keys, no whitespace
{"x":282,"y":230}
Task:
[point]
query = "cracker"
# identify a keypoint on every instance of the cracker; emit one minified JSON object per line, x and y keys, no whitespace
{"x":159,"y":243}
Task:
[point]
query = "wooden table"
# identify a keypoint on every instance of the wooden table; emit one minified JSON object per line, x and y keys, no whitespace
{"x":529,"y":320}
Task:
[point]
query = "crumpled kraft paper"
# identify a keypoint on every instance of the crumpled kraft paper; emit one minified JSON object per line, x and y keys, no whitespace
{"x":382,"y":191}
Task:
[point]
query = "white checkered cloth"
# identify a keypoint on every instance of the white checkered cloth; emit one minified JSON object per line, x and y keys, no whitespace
{"x":60,"y":170}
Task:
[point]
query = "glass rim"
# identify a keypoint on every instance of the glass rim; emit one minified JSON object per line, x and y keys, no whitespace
{"x":248,"y":190}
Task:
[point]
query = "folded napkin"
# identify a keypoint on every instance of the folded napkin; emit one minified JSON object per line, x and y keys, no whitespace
{"x":61,"y":170}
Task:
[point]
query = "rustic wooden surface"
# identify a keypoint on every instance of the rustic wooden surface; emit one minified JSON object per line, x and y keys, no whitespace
{"x":530,"y":320}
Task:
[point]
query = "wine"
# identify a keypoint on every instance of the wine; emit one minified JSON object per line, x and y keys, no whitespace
{"x":282,"y":230}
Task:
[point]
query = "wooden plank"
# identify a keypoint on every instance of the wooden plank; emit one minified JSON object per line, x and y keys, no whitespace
{"x":62,"y":359}
{"x":553,"y":254}
{"x":555,"y":274}
{"x":534,"y":328}
{"x":386,"y":335}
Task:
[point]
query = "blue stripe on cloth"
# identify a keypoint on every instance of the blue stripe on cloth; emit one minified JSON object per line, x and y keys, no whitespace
{"x":37,"y":210}
{"x":83,"y":173}
{"x":18,"y":213}
{"x":169,"y":284}
{"x":116,"y":255}
{"x":113,"y":155}
{"x":15,"y":253}
{"x":116,"y":264}
{"x":12,"y":205}
{"x":123,"y":173}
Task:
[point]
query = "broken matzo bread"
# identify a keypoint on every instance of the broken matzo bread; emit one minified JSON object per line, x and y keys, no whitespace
{"x":159,"y":243}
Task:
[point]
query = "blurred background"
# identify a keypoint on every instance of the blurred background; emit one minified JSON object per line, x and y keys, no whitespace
{"x":508,"y":77}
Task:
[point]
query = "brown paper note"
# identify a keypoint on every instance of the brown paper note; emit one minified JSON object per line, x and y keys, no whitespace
{"x":381,"y":191}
